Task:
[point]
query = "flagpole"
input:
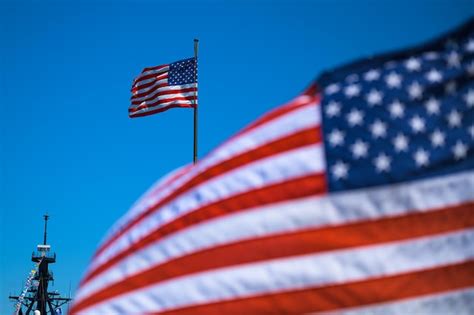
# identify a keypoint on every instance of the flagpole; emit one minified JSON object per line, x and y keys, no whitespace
{"x":196,"y":44}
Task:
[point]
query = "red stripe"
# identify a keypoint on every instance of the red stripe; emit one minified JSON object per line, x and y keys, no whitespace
{"x":296,"y":243}
{"x":296,"y":140}
{"x":269,"y":149}
{"x":162,"y":92}
{"x":311,"y":90}
{"x":142,"y":74}
{"x":152,"y":89}
{"x":181,"y":103}
{"x":169,"y":180}
{"x":170,"y":98}
{"x":159,"y":187}
{"x":163,"y":102}
{"x":329,"y":298}
{"x":292,"y":189}
{"x":155,"y":68}
{"x":159,"y":110}
{"x":280,"y":111}
{"x":290,"y":107}
{"x":155,"y":76}
{"x":149,"y":87}
{"x":161,"y":76}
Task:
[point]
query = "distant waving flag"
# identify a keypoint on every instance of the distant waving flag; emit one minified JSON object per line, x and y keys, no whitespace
{"x":163,"y":87}
{"x":357,"y":197}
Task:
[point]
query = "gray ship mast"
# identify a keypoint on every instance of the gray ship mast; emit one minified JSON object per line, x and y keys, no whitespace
{"x":37,"y":298}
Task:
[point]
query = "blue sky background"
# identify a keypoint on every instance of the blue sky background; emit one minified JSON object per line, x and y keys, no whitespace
{"x":67,"y":145}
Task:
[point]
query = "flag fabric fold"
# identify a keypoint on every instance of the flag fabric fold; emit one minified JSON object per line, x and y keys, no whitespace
{"x":163,"y":87}
{"x":356,"y":197}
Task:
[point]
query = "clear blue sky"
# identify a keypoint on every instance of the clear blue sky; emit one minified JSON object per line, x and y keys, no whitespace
{"x":66,"y":143}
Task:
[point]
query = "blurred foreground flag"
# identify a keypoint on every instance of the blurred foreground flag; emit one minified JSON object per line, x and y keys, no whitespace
{"x":163,"y":87}
{"x":355,"y":199}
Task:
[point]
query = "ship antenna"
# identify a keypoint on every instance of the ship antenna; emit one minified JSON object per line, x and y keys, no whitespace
{"x":46,"y":216}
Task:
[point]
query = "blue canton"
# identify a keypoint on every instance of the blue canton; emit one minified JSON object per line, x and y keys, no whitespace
{"x":402,"y":116}
{"x":183,"y":72}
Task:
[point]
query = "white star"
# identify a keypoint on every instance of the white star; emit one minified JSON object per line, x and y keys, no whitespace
{"x":339,"y":170}
{"x":401,"y":143}
{"x":454,"y":119}
{"x":417,"y":124}
{"x":437,"y":138}
{"x":355,"y":118}
{"x":413,"y":64}
{"x":372,"y":75}
{"x":359,"y":149}
{"x":470,"y":45}
{"x":336,"y":137}
{"x":397,"y":109}
{"x":415,"y":90}
{"x":459,"y":150}
{"x":450,"y":87}
{"x":382,"y":163}
{"x":374,"y":97}
{"x":469,"y":98}
{"x":333,"y":109}
{"x":378,"y":129}
{"x":332,"y":88}
{"x":421,"y":157}
{"x":434,"y":76}
{"x":453,"y":59}
{"x":432,"y":106}
{"x":352,"y":90}
{"x":393,"y":80}
{"x":470,"y":69}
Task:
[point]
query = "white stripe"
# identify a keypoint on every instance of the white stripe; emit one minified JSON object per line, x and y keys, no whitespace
{"x":160,"y":106}
{"x":145,"y":90}
{"x":376,"y":203}
{"x":153,"y":71}
{"x":163,"y":97}
{"x":164,"y":88}
{"x":139,"y":206}
{"x":275,"y":169}
{"x":144,"y":82}
{"x":459,"y":302}
{"x":296,"y":273}
{"x":161,"y":76}
{"x":298,"y":120}
{"x":306,"y":117}
{"x":148,"y":81}
{"x":291,"y":123}
{"x":170,"y":87}
{"x":138,"y":81}
{"x":251,"y":223}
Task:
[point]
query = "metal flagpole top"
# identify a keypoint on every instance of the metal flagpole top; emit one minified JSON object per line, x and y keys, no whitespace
{"x":196,"y":44}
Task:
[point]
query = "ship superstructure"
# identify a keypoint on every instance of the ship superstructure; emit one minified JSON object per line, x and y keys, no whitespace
{"x":36,"y":298}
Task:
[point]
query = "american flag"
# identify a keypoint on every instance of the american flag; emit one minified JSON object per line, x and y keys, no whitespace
{"x":356,"y":197}
{"x":163,"y":87}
